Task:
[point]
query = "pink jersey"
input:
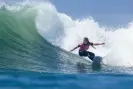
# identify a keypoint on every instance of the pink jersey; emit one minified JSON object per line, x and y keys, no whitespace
{"x":84,"y":47}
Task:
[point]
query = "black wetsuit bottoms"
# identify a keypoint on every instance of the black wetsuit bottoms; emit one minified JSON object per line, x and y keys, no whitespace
{"x":87,"y":54}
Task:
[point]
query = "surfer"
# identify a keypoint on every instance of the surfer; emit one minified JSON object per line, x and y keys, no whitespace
{"x":85,"y":46}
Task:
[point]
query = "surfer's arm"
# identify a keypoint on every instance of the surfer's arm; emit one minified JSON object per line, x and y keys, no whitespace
{"x":96,"y":44}
{"x":93,"y":46}
{"x":75,"y":48}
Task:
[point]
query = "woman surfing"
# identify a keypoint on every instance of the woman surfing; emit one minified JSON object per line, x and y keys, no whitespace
{"x":84,"y":46}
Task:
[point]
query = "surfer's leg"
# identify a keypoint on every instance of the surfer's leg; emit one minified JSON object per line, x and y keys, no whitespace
{"x":83,"y":53}
{"x":91,"y":55}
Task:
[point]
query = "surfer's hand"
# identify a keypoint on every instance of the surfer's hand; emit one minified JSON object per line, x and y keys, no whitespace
{"x":71,"y":50}
{"x":102,"y":43}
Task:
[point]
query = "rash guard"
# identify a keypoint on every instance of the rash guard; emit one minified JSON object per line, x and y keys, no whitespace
{"x":84,"y":47}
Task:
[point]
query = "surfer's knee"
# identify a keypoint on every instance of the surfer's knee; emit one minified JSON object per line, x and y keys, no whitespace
{"x":92,"y":54}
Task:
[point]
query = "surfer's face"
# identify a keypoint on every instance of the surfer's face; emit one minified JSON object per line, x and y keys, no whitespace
{"x":85,"y":41}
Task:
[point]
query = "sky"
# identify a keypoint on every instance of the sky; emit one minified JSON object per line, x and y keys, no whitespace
{"x":111,"y":13}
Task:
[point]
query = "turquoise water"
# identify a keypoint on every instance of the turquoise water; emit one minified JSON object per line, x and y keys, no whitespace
{"x":32,"y":80}
{"x":28,"y":60}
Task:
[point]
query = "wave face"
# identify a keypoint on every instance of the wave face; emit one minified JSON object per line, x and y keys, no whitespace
{"x":32,"y":35}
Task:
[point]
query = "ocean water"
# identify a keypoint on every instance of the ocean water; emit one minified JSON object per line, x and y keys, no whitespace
{"x":35,"y":40}
{"x":33,"y":80}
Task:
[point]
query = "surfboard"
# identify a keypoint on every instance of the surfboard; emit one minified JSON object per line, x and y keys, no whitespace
{"x":96,"y":64}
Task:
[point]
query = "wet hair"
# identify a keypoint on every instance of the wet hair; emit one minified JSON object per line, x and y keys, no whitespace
{"x":86,"y":39}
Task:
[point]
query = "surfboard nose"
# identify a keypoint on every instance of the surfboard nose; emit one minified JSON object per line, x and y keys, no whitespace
{"x":96,"y":65}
